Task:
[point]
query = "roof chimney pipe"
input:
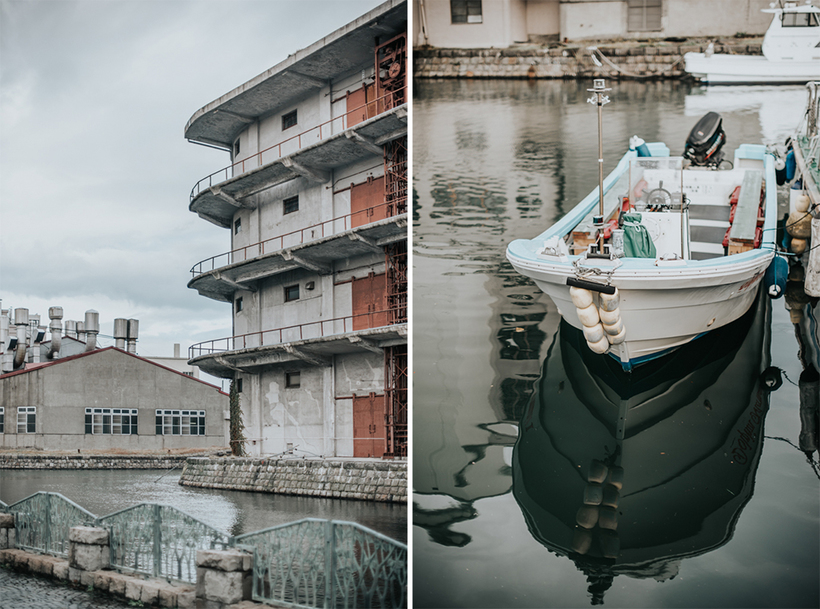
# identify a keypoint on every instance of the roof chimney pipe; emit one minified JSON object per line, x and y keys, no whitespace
{"x":120,"y":332}
{"x":92,"y":328}
{"x":38,"y":334}
{"x":56,"y":328}
{"x":71,"y":328}
{"x":7,"y":359}
{"x":133,"y":333}
{"x":81,"y":331}
{"x":21,"y":321}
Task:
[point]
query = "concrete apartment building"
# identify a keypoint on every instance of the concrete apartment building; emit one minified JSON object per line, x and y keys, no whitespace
{"x":503,"y":23}
{"x":315,"y":202}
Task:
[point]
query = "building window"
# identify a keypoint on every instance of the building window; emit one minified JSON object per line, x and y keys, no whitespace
{"x":2,"y":419}
{"x":293,"y":380}
{"x":239,"y":385}
{"x":238,"y":305}
{"x":236,"y":148}
{"x":237,"y":226}
{"x":291,"y":293}
{"x":27,"y":419}
{"x":643,"y":15}
{"x":288,"y":120}
{"x":180,"y":422}
{"x":465,"y":11}
{"x":111,"y":421}
{"x":290,"y":205}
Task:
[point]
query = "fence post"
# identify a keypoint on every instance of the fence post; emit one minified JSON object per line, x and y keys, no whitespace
{"x":330,"y":562}
{"x":47,"y":524}
{"x":157,"y":540}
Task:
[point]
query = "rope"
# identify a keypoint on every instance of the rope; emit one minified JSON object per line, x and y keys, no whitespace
{"x":606,"y":60}
{"x":586,"y":271}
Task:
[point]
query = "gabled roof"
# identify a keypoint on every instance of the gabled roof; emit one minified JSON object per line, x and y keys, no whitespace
{"x":30,"y":367}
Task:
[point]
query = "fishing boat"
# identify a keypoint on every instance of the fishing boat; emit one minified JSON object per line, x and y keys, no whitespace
{"x":790,"y":52}
{"x":666,"y":249}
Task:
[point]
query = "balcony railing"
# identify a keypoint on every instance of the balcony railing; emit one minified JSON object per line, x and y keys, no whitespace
{"x":301,"y":236}
{"x":293,"y":144}
{"x":315,"y":329}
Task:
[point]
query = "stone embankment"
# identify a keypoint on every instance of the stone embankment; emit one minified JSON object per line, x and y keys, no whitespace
{"x":626,"y":60}
{"x":29,"y":461}
{"x":372,"y":480}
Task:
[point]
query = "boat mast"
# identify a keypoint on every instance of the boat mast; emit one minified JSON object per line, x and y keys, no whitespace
{"x":598,"y":97}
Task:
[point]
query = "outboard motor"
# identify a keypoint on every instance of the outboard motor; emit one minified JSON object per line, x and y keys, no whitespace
{"x":703,"y":146}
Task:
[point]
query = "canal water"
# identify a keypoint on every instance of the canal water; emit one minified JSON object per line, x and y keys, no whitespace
{"x":234,"y":512}
{"x":511,"y":413}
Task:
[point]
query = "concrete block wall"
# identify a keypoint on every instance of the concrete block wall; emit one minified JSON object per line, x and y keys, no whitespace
{"x":373,"y":480}
{"x":659,"y":60}
{"x":27,"y":461}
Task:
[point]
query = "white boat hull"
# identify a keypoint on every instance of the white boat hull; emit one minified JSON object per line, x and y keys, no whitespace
{"x":745,"y":69}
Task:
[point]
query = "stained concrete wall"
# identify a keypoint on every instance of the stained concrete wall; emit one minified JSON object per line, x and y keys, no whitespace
{"x":107,"y":378}
{"x":503,"y":23}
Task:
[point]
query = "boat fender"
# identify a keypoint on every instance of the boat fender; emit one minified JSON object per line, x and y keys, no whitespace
{"x":791,"y":165}
{"x":581,"y":298}
{"x":776,"y":275}
{"x":639,"y":145}
{"x":587,"y":516}
{"x":600,"y":347}
{"x":799,"y":225}
{"x":588,"y":316}
{"x":798,"y":246}
{"x":780,"y":171}
{"x":802,"y":203}
{"x":610,"y":317}
{"x":610,"y":302}
{"x":594,"y":334}
{"x":597,"y":471}
{"x":615,"y":477}
{"x":618,"y":338}
{"x":581,"y":540}
{"x":771,"y":378}
{"x":614,"y":329}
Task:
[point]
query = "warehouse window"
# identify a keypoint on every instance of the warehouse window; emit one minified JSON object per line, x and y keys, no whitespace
{"x":644,"y":15}
{"x":180,"y":422}
{"x":291,"y":293}
{"x":2,"y":419}
{"x":239,"y":385}
{"x":290,"y":205}
{"x":293,"y":380}
{"x":289,"y":120}
{"x":236,"y":148}
{"x":111,"y":421}
{"x":465,"y":11}
{"x":27,"y":419}
{"x":238,"y":305}
{"x":237,"y":226}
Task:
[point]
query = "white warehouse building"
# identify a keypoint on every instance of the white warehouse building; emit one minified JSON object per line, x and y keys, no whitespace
{"x":315,"y":202}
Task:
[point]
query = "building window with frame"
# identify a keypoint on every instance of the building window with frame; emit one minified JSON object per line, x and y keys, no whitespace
{"x":643,"y":15}
{"x":236,"y":148}
{"x":237,"y":226}
{"x":2,"y":419}
{"x":291,"y":293}
{"x":293,"y":380}
{"x":27,"y":419}
{"x":238,"y":305}
{"x":290,"y":205}
{"x":466,"y":11}
{"x":180,"y":422}
{"x":111,"y":421}
{"x":239,"y":385}
{"x":289,"y":120}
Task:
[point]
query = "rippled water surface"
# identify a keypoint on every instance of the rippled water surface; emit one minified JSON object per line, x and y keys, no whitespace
{"x":105,"y":491}
{"x":718,"y":507}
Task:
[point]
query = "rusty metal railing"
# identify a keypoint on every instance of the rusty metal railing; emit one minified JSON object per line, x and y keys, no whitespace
{"x":298,"y":237}
{"x":293,"y":144}
{"x":315,"y":329}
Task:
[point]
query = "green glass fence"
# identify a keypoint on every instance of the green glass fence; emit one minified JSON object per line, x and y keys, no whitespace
{"x":42,"y":522}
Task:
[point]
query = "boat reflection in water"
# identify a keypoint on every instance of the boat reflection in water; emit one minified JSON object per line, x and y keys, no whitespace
{"x":628,"y":474}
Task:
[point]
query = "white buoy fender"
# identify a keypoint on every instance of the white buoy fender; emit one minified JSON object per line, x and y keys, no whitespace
{"x":802,"y":204}
{"x":589,"y":315}
{"x":610,"y":317}
{"x":610,"y":302}
{"x":594,"y":334}
{"x":600,"y":347}
{"x":581,"y":298}
{"x":618,"y":338}
{"x":614,"y":329}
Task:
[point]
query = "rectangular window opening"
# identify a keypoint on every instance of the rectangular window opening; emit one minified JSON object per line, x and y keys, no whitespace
{"x":644,"y":15}
{"x":293,"y":379}
{"x":236,"y":148}
{"x":238,"y":305}
{"x":465,"y":11}
{"x":237,"y":226}
{"x":108,"y":421}
{"x":289,"y":120}
{"x":2,"y":419}
{"x":290,"y":205}
{"x":27,"y":419}
{"x":239,"y":385}
{"x":180,"y":422}
{"x":291,"y":293}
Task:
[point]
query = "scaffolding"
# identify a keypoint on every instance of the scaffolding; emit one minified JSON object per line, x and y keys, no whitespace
{"x":391,"y":72}
{"x":395,"y":176}
{"x":395,"y":376}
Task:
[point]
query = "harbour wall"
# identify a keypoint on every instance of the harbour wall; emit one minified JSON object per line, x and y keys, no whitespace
{"x":17,"y":461}
{"x":372,"y":480}
{"x":661,"y":60}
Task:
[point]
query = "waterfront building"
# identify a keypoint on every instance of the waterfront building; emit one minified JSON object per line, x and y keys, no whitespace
{"x":504,"y":23}
{"x":315,"y":203}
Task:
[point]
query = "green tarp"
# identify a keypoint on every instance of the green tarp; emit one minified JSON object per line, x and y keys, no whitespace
{"x":637,"y":242}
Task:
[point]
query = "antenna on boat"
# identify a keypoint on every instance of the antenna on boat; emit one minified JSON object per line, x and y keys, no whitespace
{"x":598,"y":97}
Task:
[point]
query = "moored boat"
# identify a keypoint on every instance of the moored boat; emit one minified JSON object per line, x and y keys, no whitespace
{"x":790,"y":52}
{"x":675,"y":251}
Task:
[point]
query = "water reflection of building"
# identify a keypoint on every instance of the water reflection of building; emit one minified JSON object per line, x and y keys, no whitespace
{"x":630,"y":474}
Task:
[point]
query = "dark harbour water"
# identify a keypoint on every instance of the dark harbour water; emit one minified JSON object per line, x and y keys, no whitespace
{"x":719,"y":507}
{"x":235,"y":512}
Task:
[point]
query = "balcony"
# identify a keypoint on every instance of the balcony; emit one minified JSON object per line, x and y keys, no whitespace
{"x":310,"y":154}
{"x":313,"y":248}
{"x":314,"y":343}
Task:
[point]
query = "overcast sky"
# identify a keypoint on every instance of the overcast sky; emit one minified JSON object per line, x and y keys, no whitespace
{"x":95,"y":171}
